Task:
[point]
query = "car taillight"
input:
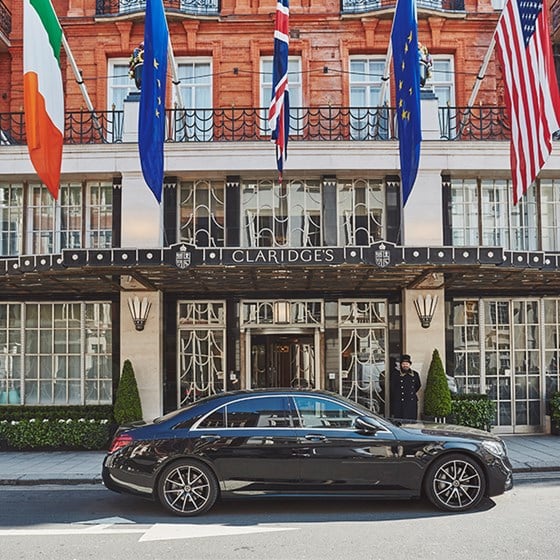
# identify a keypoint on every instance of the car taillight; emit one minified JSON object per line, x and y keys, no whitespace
{"x":119,"y":442}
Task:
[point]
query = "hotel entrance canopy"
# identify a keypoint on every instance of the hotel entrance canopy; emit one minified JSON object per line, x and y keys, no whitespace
{"x":382,"y":268}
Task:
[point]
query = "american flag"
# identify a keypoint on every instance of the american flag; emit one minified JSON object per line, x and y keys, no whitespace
{"x":279,"y":111}
{"x":531,"y":89}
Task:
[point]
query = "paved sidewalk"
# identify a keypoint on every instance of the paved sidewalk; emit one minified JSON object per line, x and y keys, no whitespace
{"x":50,"y":467}
{"x":534,"y":453}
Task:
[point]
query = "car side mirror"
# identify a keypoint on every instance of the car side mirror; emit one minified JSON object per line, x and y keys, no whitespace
{"x":366,"y":425}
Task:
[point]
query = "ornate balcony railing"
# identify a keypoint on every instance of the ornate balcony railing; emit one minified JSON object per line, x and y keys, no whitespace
{"x":250,"y":124}
{"x":80,"y":127}
{"x":474,"y":123}
{"x":191,"y":7}
{"x":306,"y":123}
{"x":5,"y":20}
{"x":363,"y":6}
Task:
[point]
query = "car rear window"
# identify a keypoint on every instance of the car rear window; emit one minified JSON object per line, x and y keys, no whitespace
{"x":251,"y":412}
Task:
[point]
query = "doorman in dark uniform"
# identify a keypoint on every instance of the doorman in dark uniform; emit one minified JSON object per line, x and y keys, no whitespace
{"x":405,"y":383}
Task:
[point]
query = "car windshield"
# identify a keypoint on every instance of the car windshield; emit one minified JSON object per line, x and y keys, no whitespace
{"x":360,"y":408}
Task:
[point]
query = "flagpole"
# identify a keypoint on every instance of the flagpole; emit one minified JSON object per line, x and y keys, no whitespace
{"x":482,"y":72}
{"x":77,"y":73}
{"x":175,"y":75}
{"x":386,"y":74}
{"x":80,"y":82}
{"x":479,"y":77}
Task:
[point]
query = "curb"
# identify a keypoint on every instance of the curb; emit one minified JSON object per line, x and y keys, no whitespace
{"x":530,"y":469}
{"x":97,"y":481}
{"x":49,"y":481}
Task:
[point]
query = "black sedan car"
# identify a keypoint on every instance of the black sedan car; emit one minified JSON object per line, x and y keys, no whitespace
{"x":301,"y":443}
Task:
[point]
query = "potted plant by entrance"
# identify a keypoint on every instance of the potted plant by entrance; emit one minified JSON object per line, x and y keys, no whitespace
{"x":128,"y":407}
{"x":475,"y":410}
{"x":555,"y":414}
{"x":437,"y":396}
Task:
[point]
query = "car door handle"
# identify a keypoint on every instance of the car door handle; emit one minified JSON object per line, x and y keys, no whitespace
{"x":315,"y":437}
{"x":210,"y":437}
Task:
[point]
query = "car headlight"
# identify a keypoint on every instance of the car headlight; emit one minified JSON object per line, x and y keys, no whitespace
{"x":496,"y":448}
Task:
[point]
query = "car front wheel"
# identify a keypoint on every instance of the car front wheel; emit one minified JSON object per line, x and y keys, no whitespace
{"x":455,"y":483}
{"x":187,"y":488}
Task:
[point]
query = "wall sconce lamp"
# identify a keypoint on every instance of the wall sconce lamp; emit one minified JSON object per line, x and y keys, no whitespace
{"x":139,"y":311}
{"x":425,"y":308}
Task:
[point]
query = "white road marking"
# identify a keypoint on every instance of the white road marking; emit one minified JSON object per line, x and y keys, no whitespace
{"x":157,"y":532}
{"x":61,"y":530}
{"x":106,"y":521}
{"x":165,"y":531}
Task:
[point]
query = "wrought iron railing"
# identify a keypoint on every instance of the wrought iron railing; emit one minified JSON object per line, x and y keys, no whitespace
{"x":85,"y":127}
{"x":362,"y":6}
{"x":5,"y":20}
{"x":474,"y":123}
{"x":191,"y":7}
{"x":250,"y":124}
{"x":306,"y":123}
{"x":12,"y":129}
{"x":80,"y":127}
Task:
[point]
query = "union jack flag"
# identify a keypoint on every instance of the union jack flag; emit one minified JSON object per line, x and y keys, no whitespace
{"x":279,"y":111}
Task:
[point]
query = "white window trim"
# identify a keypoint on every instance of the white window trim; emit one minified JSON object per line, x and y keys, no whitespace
{"x":451,"y":80}
{"x":367,"y":82}
{"x":111,"y":64}
{"x":183,"y":83}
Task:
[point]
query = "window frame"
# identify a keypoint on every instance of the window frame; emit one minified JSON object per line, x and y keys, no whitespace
{"x":515,"y":228}
{"x":295,"y":87}
{"x":12,"y":238}
{"x":112,"y":63}
{"x":43,"y":342}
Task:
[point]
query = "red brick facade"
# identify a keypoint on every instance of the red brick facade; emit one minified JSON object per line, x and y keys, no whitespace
{"x":243,"y":33}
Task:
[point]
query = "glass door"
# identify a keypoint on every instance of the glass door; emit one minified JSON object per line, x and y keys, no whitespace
{"x":282,"y":361}
{"x":512,"y":352}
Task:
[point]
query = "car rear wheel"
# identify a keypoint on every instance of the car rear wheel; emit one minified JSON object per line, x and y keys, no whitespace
{"x":187,"y":488}
{"x":455,"y":483}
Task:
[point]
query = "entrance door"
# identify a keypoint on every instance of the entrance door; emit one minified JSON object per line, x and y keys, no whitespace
{"x":282,"y":361}
{"x":512,"y":347}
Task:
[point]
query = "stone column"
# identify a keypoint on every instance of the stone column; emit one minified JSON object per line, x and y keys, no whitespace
{"x":422,"y":215}
{"x":420,"y":342}
{"x":141,"y":227}
{"x":144,"y":349}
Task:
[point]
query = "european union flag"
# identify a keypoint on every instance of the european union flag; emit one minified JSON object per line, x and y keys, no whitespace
{"x":151,"y":125}
{"x":406,"y":68}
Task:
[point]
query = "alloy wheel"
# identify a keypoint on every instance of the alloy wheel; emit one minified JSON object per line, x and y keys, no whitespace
{"x":187,"y":489}
{"x":456,"y":484}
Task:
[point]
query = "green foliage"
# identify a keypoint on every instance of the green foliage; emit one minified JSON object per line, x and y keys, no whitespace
{"x":51,"y":434}
{"x":95,"y":412}
{"x":474,"y":410}
{"x":437,"y":396}
{"x":555,"y":409}
{"x":128,"y":407}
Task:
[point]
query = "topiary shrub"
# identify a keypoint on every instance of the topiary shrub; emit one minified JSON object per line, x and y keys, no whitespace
{"x":474,"y":410}
{"x":128,"y":407}
{"x":437,"y":396}
{"x":555,"y":413}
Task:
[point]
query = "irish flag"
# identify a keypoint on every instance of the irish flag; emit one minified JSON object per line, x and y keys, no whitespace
{"x":43,"y":99}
